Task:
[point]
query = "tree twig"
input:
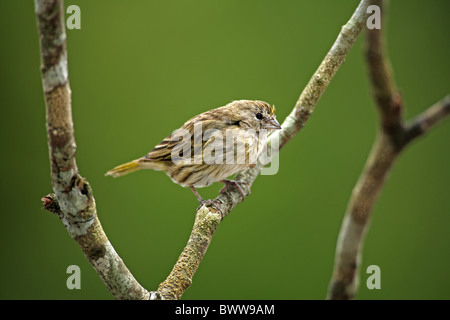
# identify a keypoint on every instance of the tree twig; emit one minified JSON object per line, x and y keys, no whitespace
{"x":422,"y":123}
{"x":391,"y":139}
{"x":73,"y":201}
{"x":208,"y":218}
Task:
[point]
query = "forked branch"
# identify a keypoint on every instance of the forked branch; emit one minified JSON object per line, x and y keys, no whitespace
{"x":392,"y":137}
{"x":208,"y":218}
{"x":73,"y":200}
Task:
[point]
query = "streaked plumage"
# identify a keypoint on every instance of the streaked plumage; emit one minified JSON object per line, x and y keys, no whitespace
{"x":247,"y":121}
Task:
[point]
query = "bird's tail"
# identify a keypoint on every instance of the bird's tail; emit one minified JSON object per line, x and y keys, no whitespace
{"x":124,"y":169}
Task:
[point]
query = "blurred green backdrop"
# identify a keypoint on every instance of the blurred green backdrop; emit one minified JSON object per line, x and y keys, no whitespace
{"x":139,"y":70}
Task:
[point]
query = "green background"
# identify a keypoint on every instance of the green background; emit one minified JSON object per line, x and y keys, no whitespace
{"x":139,"y":70}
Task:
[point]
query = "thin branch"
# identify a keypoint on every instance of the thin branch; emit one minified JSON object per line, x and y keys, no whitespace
{"x":428,"y":119}
{"x":386,"y":95}
{"x":391,"y":139}
{"x":208,"y":218}
{"x":73,"y":201}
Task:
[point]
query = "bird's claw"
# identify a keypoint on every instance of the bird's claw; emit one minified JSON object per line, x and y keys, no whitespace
{"x":235,"y":184}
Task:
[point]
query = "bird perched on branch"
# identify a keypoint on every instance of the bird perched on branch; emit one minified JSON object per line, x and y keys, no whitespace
{"x":211,"y":146}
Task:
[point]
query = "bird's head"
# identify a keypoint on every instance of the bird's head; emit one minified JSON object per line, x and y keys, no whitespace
{"x":254,"y":114}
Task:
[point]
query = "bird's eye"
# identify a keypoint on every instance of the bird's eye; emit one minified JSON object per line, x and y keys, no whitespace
{"x":259,"y":116}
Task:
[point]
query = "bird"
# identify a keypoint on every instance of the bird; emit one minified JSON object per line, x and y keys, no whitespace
{"x":211,"y":146}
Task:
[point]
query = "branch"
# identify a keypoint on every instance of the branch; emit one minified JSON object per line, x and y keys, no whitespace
{"x":208,"y":218}
{"x":73,"y":201}
{"x":391,"y":139}
{"x":386,"y":95}
{"x":428,"y":119}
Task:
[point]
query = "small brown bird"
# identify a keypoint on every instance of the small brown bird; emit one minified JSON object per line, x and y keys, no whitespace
{"x":211,"y":146}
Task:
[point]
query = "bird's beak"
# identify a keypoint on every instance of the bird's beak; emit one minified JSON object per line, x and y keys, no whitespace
{"x":272,"y":123}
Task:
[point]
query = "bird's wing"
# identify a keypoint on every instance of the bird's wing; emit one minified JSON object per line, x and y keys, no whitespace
{"x":184,"y":142}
